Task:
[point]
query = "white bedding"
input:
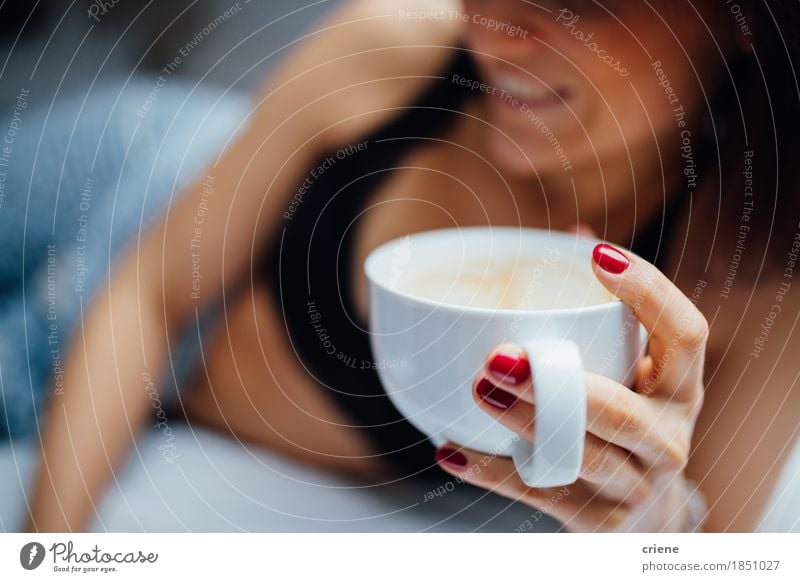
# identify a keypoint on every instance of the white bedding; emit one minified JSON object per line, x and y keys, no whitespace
{"x":220,"y":485}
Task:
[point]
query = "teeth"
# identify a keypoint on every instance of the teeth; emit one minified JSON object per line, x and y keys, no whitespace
{"x":524,"y":89}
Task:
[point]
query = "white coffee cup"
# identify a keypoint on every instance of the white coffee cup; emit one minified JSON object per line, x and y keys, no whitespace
{"x":443,"y":336}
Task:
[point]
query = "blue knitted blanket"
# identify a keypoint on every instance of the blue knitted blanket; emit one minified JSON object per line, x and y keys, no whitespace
{"x":80,"y":179}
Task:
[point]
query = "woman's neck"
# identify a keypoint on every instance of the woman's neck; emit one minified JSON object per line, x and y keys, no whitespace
{"x":615,"y":198}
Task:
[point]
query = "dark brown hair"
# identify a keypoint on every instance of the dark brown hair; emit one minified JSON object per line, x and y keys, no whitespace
{"x":755,"y":114}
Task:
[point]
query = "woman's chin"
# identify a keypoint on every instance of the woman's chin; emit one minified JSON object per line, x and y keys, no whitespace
{"x":522,"y":159}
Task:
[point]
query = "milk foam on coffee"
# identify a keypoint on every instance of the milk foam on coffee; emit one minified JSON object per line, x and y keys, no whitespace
{"x":529,"y":282}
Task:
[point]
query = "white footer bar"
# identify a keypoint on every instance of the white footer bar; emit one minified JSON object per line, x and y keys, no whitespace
{"x":402,"y":557}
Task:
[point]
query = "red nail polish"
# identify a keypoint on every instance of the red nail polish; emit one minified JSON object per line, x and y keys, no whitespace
{"x":610,"y":259}
{"x":511,"y":369}
{"x":450,"y":456}
{"x":494,"y":396}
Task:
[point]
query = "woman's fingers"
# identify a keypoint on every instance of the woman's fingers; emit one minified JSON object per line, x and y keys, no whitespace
{"x":508,"y":367}
{"x":514,"y":413}
{"x":577,"y":506}
{"x":655,"y":432}
{"x":611,"y":468}
{"x":614,"y":472}
{"x":651,"y":430}
{"x":678,"y":331}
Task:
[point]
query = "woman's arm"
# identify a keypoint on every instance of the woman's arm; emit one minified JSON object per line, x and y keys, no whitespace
{"x":125,"y":334}
{"x":749,"y":424}
{"x":104,"y":404}
{"x":340,"y":83}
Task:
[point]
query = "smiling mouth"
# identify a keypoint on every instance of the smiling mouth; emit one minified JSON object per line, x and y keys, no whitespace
{"x":525,"y":90}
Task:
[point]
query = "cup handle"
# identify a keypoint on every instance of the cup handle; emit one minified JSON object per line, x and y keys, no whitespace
{"x":559,"y":393}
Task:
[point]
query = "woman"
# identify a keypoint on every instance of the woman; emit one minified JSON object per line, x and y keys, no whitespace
{"x":654,"y":126}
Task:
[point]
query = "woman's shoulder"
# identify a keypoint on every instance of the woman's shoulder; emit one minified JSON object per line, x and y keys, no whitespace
{"x":351,"y":71}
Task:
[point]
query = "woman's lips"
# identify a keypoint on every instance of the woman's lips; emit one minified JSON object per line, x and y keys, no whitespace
{"x":527,"y":91}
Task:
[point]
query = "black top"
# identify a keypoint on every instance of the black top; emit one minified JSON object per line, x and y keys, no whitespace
{"x":309,"y":266}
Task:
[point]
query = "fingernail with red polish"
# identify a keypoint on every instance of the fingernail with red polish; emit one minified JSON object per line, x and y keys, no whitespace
{"x":509,"y":368}
{"x":610,"y":259}
{"x":450,"y":456}
{"x":494,"y":396}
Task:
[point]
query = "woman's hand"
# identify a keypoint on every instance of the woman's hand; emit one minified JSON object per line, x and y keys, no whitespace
{"x":637,"y":441}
